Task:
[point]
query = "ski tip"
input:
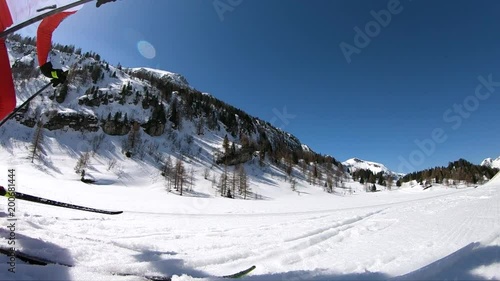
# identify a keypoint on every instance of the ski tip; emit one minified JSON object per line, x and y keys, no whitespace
{"x":241,"y":273}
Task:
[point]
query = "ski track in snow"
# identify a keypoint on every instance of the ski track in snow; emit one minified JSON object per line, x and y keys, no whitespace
{"x":391,"y":239}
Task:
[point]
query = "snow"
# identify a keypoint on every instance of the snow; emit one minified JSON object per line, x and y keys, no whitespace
{"x":357,"y":164}
{"x":307,"y":234}
{"x":491,"y":163}
{"x":405,"y":234}
{"x":175,"y":77}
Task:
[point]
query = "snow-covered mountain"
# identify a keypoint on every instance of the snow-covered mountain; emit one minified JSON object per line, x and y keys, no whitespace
{"x":489,"y":162}
{"x":145,"y":114}
{"x":175,"y":78}
{"x":355,"y":164}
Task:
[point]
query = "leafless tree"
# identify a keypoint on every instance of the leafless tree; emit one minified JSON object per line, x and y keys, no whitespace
{"x":244,"y":186}
{"x":168,"y":172}
{"x":223,"y":182}
{"x":82,"y":162}
{"x":191,"y":178}
{"x":36,"y":144}
{"x":329,"y":182}
{"x":234,"y":183}
{"x":111,"y":164}
{"x":180,"y":176}
{"x":293,"y":184}
{"x":134,"y":137}
{"x":389,"y":182}
{"x":206,"y":173}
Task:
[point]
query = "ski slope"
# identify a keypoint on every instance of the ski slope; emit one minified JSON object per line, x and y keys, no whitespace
{"x":407,"y":234}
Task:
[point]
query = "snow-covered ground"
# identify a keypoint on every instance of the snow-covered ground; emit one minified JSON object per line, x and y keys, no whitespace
{"x":407,"y":234}
{"x":307,"y":234}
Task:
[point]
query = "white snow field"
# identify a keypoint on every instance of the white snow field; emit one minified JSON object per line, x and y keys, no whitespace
{"x":308,"y":234}
{"x":406,"y":234}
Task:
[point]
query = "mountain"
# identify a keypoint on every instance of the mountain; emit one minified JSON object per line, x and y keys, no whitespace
{"x":155,"y":117}
{"x":355,"y":164}
{"x":488,"y":162}
{"x":168,"y":76}
{"x":456,"y":171}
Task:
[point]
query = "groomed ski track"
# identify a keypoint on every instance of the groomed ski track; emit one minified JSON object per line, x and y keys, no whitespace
{"x":423,"y":236}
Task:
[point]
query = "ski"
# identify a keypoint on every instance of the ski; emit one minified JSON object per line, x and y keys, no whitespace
{"x":41,"y":200}
{"x":30,"y":259}
{"x":237,"y":275}
{"x":241,"y":273}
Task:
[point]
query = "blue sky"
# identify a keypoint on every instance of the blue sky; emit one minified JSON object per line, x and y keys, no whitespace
{"x":283,"y":58}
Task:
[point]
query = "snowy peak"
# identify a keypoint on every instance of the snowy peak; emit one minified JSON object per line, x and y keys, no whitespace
{"x":174,"y":78}
{"x":489,"y":162}
{"x":355,"y":164}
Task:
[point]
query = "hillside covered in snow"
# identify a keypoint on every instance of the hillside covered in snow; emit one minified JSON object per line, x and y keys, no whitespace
{"x":355,"y":164}
{"x":153,"y":118}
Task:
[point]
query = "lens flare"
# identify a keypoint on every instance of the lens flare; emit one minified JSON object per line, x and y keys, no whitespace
{"x":146,"y":49}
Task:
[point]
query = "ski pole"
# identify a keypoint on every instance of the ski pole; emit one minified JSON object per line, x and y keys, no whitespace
{"x":41,"y":17}
{"x":24,"y":104}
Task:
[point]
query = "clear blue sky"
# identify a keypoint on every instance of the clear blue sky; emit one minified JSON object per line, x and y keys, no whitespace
{"x":266,"y":56}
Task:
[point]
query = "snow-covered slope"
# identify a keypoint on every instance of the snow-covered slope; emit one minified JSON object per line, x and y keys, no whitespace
{"x":355,"y":164}
{"x":489,"y":162}
{"x":397,"y":235}
{"x":173,"y":77}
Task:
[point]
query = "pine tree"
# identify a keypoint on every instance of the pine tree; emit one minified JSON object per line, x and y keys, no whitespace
{"x":199,"y":126}
{"x":96,"y":73}
{"x":174,"y":115}
{"x":233,"y":149}
{"x":225,"y":145}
